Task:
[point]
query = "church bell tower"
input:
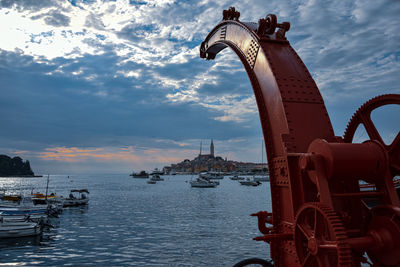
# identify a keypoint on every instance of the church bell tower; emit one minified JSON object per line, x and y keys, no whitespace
{"x":212,"y":148}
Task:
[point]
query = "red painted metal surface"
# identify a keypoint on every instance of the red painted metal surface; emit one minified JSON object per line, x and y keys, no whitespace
{"x":319,"y":214}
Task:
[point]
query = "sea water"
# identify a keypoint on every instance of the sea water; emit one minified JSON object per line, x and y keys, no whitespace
{"x":130,"y":222}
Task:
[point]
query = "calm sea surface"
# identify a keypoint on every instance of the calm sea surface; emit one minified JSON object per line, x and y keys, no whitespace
{"x":130,"y":222}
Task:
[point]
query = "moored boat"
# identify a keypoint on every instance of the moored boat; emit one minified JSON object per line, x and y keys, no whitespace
{"x":77,"y":197}
{"x":156,"y":177}
{"x":237,"y":178}
{"x":264,"y":178}
{"x":41,"y":199}
{"x":11,"y":197}
{"x":10,"y":217}
{"x":372,"y":201}
{"x":156,"y":171}
{"x":19,"y":229}
{"x":213,"y":175}
{"x":250,"y":182}
{"x":202,"y":182}
{"x":35,"y":212}
{"x":141,"y":174}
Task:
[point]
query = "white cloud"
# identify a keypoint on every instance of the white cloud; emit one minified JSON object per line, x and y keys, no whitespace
{"x":135,"y":74}
{"x":350,"y":47}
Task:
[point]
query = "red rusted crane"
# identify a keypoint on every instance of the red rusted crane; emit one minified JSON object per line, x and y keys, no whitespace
{"x":319,"y":214}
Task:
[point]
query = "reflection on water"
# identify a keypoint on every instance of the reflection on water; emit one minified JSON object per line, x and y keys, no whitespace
{"x":129,"y":222}
{"x":20,"y":242}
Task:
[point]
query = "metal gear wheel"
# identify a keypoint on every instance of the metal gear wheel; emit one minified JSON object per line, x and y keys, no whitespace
{"x":386,"y":224}
{"x":254,"y":261}
{"x":320,"y":237}
{"x":363,"y":116}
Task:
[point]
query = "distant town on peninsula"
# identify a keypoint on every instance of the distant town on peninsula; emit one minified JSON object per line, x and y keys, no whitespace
{"x":210,"y":162}
{"x":15,"y":167}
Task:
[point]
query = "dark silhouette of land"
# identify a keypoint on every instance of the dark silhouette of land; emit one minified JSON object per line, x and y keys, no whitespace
{"x":15,"y":167}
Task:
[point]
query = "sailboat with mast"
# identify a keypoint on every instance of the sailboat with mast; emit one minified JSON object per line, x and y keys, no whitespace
{"x":264,"y":176}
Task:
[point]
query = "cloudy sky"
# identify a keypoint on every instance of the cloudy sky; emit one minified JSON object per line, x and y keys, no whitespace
{"x":110,"y":86}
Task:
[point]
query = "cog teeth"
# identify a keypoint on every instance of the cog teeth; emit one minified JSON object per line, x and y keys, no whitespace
{"x":344,"y":253}
{"x":367,"y":107}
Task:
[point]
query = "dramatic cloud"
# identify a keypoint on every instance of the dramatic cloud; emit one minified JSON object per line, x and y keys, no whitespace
{"x":95,"y":77}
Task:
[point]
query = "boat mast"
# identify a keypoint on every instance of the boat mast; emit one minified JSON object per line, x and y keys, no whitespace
{"x":47,"y":186}
{"x":262,"y":156}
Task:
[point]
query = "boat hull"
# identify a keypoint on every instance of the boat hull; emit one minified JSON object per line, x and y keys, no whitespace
{"x":261,"y":179}
{"x":23,"y":218}
{"x":15,"y":230}
{"x":140,"y":176}
{"x":203,"y":185}
{"x":22,"y":212}
{"x":249,"y":183}
{"x":75,"y":202}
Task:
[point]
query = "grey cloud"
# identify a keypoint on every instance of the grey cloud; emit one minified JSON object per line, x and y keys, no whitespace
{"x":52,"y":102}
{"x":32,"y":5}
{"x":53,"y":17}
{"x":351,"y":49}
{"x":137,"y":32}
{"x":95,"y":22}
{"x":57,"y":19}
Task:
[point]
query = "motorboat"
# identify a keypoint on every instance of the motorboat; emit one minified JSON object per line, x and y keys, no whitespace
{"x":19,"y":229}
{"x":141,"y":174}
{"x":202,"y":182}
{"x":213,"y":175}
{"x":10,"y":217}
{"x":263,"y":178}
{"x":372,"y":201}
{"x":17,"y":212}
{"x":156,"y":177}
{"x":41,"y":199}
{"x":23,"y":207}
{"x":77,"y":197}
{"x":14,"y":198}
{"x":151,"y":181}
{"x":250,"y":182}
{"x":23,"y":211}
{"x":237,"y":178}
{"x":156,"y":171}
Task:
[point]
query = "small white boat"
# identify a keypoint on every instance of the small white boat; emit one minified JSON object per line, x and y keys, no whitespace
{"x":19,"y":229}
{"x":156,"y":177}
{"x":22,"y":211}
{"x":24,"y":207}
{"x":237,"y":178}
{"x":23,"y":218}
{"x":250,"y":182}
{"x":156,"y":171}
{"x":203,"y":183}
{"x":77,"y":197}
{"x":212,"y":175}
{"x":261,"y":178}
{"x":151,"y":181}
{"x":39,"y":198}
{"x":141,"y":174}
